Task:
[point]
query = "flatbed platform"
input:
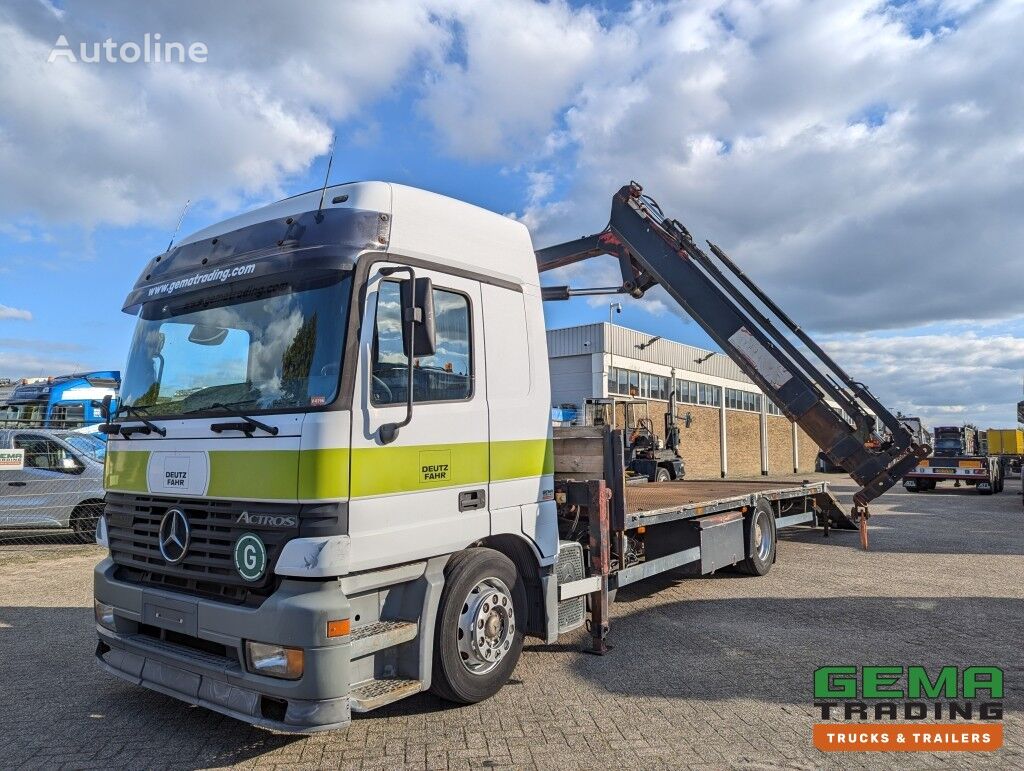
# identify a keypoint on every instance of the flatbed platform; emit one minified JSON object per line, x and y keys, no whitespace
{"x":656,"y":502}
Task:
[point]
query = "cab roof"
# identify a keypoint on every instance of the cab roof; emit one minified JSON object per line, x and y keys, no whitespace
{"x":423,"y":224}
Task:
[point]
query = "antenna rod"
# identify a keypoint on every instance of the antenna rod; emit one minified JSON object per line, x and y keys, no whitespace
{"x":327,"y":176}
{"x":180,"y":218}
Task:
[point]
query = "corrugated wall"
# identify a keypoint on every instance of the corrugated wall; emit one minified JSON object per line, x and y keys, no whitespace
{"x":621,"y":341}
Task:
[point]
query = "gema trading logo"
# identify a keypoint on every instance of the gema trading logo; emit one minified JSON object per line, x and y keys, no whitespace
{"x":896,"y":708}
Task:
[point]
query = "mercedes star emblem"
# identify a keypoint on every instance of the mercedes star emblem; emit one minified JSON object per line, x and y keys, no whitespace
{"x":174,"y":536}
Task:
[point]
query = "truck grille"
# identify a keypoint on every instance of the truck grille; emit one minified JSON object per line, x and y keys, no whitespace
{"x":133,"y":526}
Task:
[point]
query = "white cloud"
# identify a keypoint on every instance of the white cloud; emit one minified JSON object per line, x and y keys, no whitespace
{"x":123,"y":144}
{"x":7,"y":312}
{"x":953,"y":375}
{"x":867,"y":172}
{"x":864,"y":162}
{"x":514,"y":65}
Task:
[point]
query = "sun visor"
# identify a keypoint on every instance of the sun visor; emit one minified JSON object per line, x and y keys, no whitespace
{"x":328,"y":240}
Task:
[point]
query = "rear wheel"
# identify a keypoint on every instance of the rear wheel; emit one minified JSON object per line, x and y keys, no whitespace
{"x":83,"y":521}
{"x":761,"y":545}
{"x":480,"y":624}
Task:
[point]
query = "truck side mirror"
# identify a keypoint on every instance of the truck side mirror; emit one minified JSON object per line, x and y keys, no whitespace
{"x":420,"y":303}
{"x":418,"y":336}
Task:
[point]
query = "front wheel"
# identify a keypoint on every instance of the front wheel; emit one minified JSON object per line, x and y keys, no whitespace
{"x":480,"y":624}
{"x":662,"y":475}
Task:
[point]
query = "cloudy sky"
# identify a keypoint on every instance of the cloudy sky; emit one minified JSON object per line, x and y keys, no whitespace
{"x":864,"y":161}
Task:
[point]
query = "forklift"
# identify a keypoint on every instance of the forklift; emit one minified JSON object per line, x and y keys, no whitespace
{"x":647,"y":457}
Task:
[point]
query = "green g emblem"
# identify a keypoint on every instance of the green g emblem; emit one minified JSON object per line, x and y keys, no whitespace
{"x":250,"y":557}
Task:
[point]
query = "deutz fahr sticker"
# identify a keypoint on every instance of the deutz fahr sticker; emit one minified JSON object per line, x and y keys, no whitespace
{"x":435,"y":466}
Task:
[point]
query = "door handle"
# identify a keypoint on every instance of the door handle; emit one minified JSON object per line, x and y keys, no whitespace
{"x":471,"y":500}
{"x":16,"y":484}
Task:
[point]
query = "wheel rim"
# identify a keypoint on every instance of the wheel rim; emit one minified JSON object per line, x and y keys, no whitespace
{"x":762,"y":538}
{"x":487,"y":626}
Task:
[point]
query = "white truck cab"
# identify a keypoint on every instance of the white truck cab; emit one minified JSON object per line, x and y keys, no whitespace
{"x":295,"y":506}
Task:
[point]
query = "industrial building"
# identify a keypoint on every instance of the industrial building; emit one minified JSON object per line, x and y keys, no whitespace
{"x":728,"y":427}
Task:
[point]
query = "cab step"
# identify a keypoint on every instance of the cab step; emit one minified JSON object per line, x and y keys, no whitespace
{"x":381,"y":635}
{"x":371,"y":694}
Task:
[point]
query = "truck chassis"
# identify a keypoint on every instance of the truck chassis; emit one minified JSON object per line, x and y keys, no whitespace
{"x":632,"y":531}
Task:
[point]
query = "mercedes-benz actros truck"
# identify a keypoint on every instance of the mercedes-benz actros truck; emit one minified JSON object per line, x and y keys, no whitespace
{"x":332,"y":480}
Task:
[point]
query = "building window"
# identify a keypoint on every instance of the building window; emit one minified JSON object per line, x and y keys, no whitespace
{"x":742,"y":400}
{"x":772,"y":408}
{"x":686,"y":391}
{"x":709,"y":395}
{"x":625,"y":382}
{"x":659,"y":388}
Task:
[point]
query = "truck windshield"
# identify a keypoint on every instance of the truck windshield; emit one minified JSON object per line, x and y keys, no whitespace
{"x":26,"y":414}
{"x":256,"y":347}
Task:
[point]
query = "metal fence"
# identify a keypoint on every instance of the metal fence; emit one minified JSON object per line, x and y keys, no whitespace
{"x":51,"y":487}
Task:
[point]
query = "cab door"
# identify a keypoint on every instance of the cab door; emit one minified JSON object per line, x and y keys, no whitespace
{"x":426,"y":492}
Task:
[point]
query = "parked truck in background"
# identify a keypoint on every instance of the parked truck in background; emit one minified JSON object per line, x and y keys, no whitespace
{"x":957,"y":458}
{"x":1007,"y":444}
{"x":65,"y":401}
{"x":332,"y":480}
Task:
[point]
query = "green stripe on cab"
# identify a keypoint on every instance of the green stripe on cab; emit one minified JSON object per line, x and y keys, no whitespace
{"x":126,"y":470}
{"x":323,"y":474}
{"x":522,"y":458}
{"x":389,"y":470}
{"x":261,"y":474}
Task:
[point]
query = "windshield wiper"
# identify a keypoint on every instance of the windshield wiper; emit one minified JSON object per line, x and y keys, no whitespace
{"x":138,"y":413}
{"x":247,"y":426}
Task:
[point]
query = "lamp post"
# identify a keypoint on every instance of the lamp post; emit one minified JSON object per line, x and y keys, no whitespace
{"x":612,"y":308}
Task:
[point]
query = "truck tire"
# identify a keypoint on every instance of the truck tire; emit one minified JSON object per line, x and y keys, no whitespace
{"x":662,"y":475}
{"x":480,"y":623}
{"x":761,"y":545}
{"x":1000,"y":480}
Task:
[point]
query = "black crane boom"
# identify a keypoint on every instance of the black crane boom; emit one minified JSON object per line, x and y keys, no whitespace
{"x":655,"y":250}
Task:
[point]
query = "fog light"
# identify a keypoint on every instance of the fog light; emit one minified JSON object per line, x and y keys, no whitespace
{"x":274,"y":660}
{"x":104,"y":614}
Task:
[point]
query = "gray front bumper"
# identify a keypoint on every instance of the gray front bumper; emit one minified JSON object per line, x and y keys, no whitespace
{"x":295,"y":615}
